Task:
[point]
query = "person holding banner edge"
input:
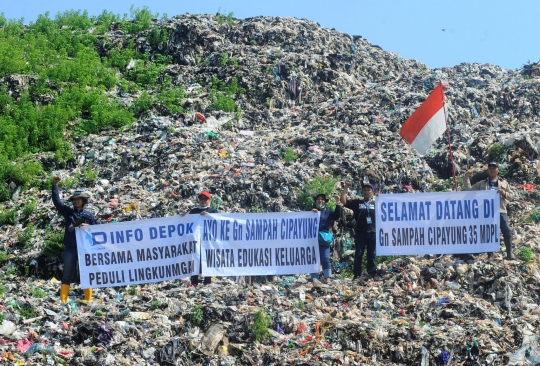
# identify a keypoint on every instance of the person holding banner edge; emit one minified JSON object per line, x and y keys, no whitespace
{"x":365,"y":236}
{"x":203,"y":208}
{"x":73,"y":217}
{"x":325,"y":236}
{"x":493,"y":182}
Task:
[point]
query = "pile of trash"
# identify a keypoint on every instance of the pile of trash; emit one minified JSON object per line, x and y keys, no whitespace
{"x":418,"y":311}
{"x":316,"y":102}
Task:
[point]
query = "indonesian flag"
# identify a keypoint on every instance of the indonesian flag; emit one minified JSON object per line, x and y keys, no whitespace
{"x":427,"y":123}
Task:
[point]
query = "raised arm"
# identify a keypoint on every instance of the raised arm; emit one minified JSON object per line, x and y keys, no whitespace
{"x":337,"y":212}
{"x":60,"y":207}
{"x":343,"y":197}
{"x":467,"y":182}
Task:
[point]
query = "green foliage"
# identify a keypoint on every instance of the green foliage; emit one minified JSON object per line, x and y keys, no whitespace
{"x":215,"y":202}
{"x":145,"y":73}
{"x":289,"y":155}
{"x":29,"y":207}
{"x":53,"y":243}
{"x":224,"y":103}
{"x":229,"y":18}
{"x":27,"y":235}
{"x":23,"y":171}
{"x":70,"y":182}
{"x":90,"y":173}
{"x":447,"y":185}
{"x":196,"y":315}
{"x":318,"y":185}
{"x":158,"y":36}
{"x":238,"y":114}
{"x":142,"y":105}
{"x":120,"y":58}
{"x":223,"y":59}
{"x":261,"y":323}
{"x":141,"y":19}
{"x":533,"y":216}
{"x":171,"y":99}
{"x":298,"y":304}
{"x":2,"y":291}
{"x":5,"y":195}
{"x":234,"y":61}
{"x":37,"y":292}
{"x":2,"y":316}
{"x":221,"y":94}
{"x":155,"y":304}
{"x":105,"y":20}
{"x":255,"y":209}
{"x":495,"y":151}
{"x":106,"y":114}
{"x":27,"y":312}
{"x":74,"y":19}
{"x":132,"y":290}
{"x":8,"y":217}
{"x":3,"y":256}
{"x":526,"y":254}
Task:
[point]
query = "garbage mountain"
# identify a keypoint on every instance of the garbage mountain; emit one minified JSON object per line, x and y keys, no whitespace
{"x":270,"y":104}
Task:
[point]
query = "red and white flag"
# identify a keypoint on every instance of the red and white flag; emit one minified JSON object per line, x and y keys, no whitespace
{"x":427,"y":123}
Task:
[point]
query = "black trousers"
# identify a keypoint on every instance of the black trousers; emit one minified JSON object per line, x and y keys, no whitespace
{"x":364,"y":241}
{"x":195,"y":278}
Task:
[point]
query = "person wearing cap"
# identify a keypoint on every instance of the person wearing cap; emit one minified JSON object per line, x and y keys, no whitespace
{"x":325,"y":236}
{"x":203,"y":208}
{"x":494,"y":182}
{"x":364,"y":239}
{"x":75,"y":216}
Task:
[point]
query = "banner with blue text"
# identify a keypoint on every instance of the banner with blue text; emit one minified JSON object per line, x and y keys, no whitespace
{"x":260,"y":243}
{"x":438,"y":223}
{"x":143,"y":251}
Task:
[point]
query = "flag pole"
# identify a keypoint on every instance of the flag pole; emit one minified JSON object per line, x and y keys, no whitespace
{"x":449,"y":141}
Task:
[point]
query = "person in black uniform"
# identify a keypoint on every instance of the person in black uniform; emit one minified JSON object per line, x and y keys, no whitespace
{"x":203,"y":208}
{"x":73,"y":217}
{"x":364,"y":214}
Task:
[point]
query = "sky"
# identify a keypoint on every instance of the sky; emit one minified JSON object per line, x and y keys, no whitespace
{"x":436,"y":33}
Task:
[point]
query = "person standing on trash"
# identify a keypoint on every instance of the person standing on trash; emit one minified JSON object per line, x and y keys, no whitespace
{"x":494,"y":182}
{"x":325,"y":235}
{"x":203,"y":208}
{"x":75,"y":216}
{"x":364,"y":214}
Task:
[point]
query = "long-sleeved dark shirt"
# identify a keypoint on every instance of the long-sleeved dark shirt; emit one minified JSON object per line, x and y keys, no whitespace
{"x":70,"y":218}
{"x":198,"y":210}
{"x":362,"y":210}
{"x":327,"y":216}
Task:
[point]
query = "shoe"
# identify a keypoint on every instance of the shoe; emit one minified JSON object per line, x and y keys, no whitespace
{"x":88,"y":294}
{"x":508,"y":245}
{"x":64,"y":291}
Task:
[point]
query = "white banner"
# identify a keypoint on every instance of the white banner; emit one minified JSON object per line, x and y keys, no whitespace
{"x":438,"y":223}
{"x":260,"y":243}
{"x":143,"y":251}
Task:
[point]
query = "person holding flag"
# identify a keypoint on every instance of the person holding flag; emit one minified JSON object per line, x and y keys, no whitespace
{"x":494,"y":182}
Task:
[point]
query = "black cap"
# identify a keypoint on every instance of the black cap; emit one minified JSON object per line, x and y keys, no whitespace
{"x":367,"y":185}
{"x":321,"y":195}
{"x":494,"y":163}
